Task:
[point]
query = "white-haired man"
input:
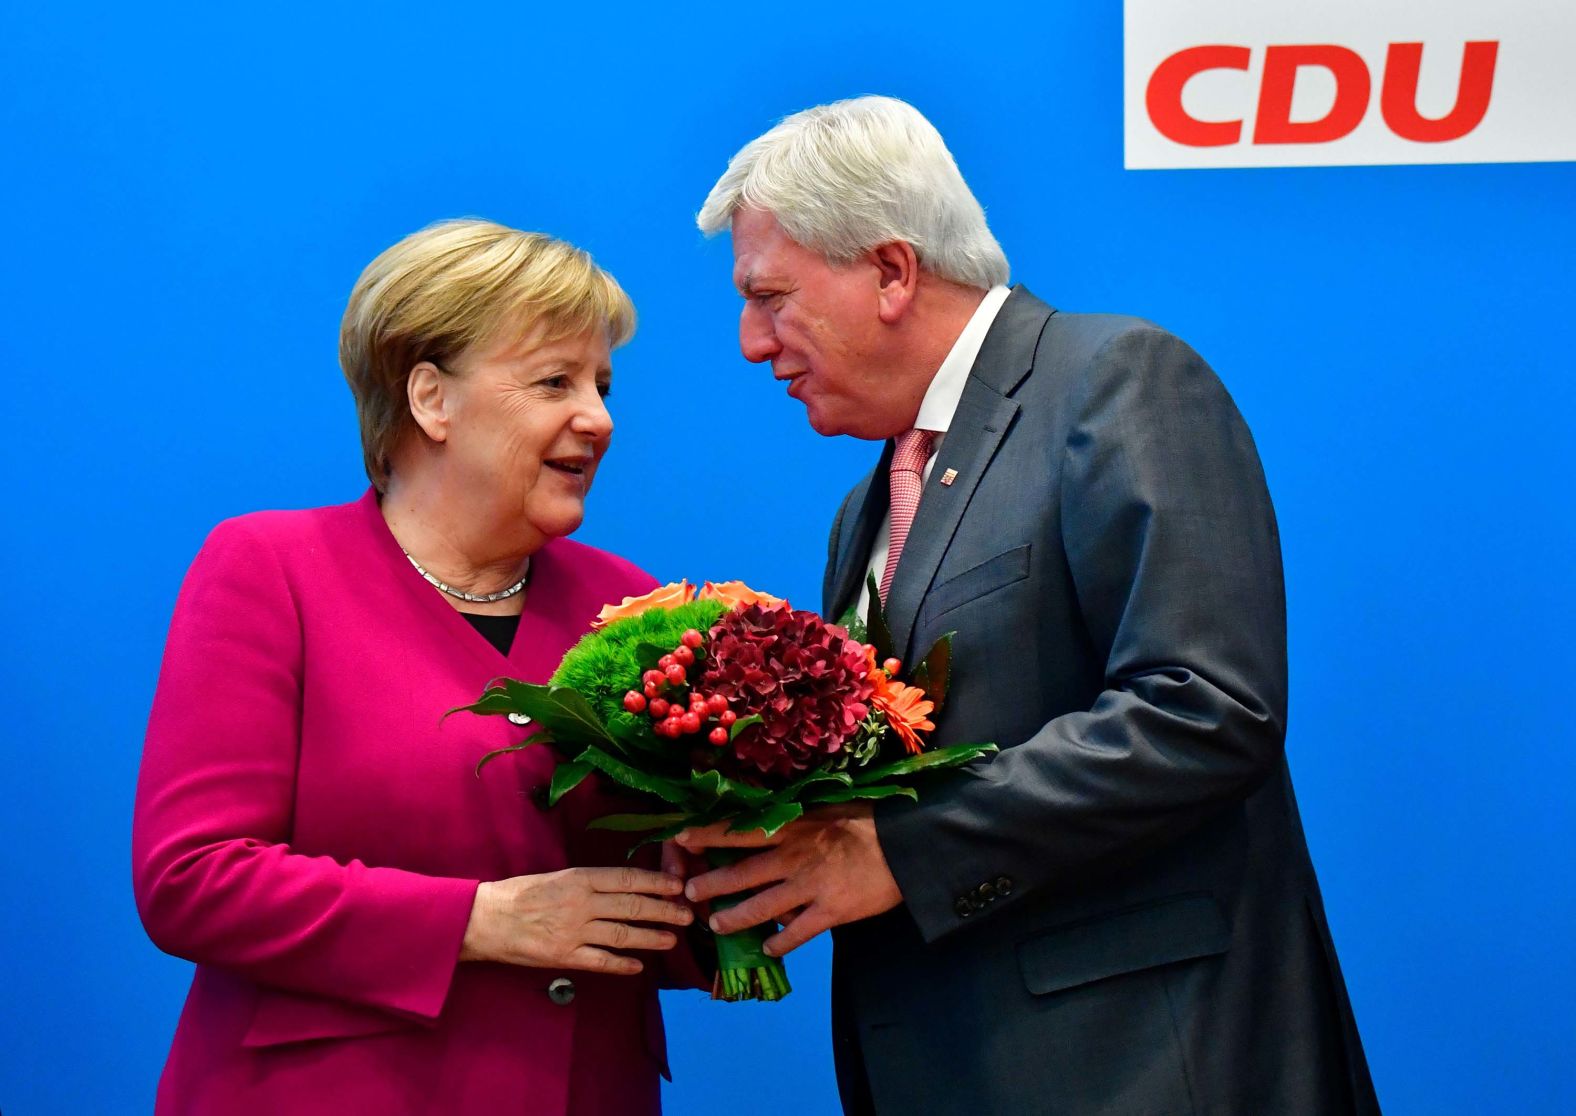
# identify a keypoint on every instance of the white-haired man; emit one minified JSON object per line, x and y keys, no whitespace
{"x":1118,"y":913}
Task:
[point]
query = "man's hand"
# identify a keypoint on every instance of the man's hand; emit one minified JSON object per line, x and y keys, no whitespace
{"x":821,"y":871}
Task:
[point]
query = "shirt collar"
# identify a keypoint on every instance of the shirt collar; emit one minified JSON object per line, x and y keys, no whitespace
{"x":946,"y":389}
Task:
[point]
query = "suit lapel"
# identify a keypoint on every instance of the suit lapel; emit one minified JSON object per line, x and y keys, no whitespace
{"x":853,"y":558}
{"x":985,"y":412}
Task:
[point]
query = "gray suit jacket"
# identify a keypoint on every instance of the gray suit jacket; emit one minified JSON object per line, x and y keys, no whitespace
{"x":1118,"y":913}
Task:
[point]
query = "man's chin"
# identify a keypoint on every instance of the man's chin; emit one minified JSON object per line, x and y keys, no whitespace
{"x":825,"y":423}
{"x":833,"y":427}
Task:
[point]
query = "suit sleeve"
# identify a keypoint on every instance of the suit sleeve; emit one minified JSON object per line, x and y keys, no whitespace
{"x":1171,"y":542}
{"x":216,"y":880}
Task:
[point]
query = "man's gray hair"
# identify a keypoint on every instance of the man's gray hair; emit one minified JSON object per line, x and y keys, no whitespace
{"x":845,"y":177}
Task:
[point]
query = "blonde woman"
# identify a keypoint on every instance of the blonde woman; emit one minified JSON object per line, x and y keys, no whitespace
{"x":376,"y":929}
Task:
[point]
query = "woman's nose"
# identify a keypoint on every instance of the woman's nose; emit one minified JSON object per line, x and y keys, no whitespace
{"x":757,"y":339}
{"x":593,"y":418}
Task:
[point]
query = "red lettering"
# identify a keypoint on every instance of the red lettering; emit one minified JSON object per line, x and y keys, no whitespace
{"x":1398,"y":97}
{"x":1352,"y":87}
{"x":1163,"y":98}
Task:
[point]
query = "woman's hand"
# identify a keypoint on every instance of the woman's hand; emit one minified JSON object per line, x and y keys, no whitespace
{"x":573,"y":919}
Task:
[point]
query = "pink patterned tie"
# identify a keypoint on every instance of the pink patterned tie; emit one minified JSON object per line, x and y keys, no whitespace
{"x":906,"y":479}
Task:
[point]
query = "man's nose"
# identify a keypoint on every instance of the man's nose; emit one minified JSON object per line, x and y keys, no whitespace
{"x":757,"y":339}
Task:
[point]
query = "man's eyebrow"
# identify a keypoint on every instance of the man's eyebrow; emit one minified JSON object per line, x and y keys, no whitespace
{"x":750,"y":285}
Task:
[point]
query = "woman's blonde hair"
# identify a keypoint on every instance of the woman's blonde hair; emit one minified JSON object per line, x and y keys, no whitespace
{"x":456,"y":284}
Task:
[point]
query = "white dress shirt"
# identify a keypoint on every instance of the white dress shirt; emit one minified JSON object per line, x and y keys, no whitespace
{"x":935,"y":413}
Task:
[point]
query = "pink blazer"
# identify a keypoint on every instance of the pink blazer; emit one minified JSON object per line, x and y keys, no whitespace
{"x":311,"y":834}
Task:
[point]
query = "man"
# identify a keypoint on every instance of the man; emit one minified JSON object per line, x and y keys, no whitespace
{"x":1117,"y":914}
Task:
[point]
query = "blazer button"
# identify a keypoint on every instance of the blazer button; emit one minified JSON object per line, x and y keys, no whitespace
{"x":561,"y":991}
{"x":1004,"y":886}
{"x":986,"y":892}
{"x":964,"y":906}
{"x":539,"y":797}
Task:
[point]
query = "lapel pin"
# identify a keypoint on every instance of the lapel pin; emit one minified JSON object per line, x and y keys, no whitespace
{"x":949,"y":476}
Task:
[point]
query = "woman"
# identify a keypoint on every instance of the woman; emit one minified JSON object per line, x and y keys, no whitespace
{"x":376,"y":928}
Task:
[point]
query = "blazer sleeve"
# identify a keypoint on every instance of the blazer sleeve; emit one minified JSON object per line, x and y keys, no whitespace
{"x":1174,"y":555}
{"x":216,"y":880}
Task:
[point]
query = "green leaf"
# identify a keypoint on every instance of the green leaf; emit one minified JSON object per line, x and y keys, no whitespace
{"x":743,"y":723}
{"x":660,"y":835}
{"x":713,"y":786}
{"x":566,"y":777}
{"x":562,"y":711}
{"x":854,"y":624}
{"x":633,"y":734}
{"x":875,"y":622}
{"x":536,"y":738}
{"x":768,"y":819}
{"x":850,"y":794}
{"x":935,"y":671}
{"x":647,"y":654}
{"x":669,"y":790}
{"x":794,"y":791}
{"x":638,"y":823}
{"x":558,"y":709}
{"x":939,"y":760}
{"x":494,"y":702}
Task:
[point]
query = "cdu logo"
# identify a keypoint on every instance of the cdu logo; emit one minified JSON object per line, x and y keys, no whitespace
{"x":1217,"y":83}
{"x":1273,"y":123}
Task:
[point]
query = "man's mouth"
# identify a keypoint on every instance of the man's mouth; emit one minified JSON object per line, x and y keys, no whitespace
{"x":791,"y":379}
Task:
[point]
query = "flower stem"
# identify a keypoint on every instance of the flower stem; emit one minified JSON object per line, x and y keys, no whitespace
{"x":744,"y":971}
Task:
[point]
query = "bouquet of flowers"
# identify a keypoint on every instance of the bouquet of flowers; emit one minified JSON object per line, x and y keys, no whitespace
{"x":729,"y":705}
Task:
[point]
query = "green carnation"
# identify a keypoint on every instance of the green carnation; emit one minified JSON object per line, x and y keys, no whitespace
{"x":607,"y":664}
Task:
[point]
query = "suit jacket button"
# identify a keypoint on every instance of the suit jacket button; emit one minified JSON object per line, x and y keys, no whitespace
{"x":539,"y":797}
{"x":561,"y":991}
{"x":1004,"y":885}
{"x":986,"y":892}
{"x":964,"y":906}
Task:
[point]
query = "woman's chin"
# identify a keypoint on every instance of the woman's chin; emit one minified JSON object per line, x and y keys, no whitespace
{"x":555,"y":523}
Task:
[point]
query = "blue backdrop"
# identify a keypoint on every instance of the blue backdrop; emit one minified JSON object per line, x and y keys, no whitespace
{"x":192,"y":194}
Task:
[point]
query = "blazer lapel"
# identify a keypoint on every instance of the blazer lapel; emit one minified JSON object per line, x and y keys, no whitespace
{"x":853,"y":559}
{"x":985,"y":412}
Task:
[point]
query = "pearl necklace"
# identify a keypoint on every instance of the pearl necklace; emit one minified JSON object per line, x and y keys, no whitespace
{"x":474,"y":598}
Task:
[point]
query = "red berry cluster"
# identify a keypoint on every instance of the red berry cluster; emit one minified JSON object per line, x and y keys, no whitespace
{"x":673,"y":712}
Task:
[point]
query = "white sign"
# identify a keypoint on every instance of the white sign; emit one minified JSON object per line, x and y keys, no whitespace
{"x":1273,"y":83}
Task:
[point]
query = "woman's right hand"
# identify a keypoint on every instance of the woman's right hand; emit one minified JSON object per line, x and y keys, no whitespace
{"x":573,"y":919}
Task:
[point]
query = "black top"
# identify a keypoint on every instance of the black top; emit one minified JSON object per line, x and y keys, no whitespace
{"x":499,"y":630}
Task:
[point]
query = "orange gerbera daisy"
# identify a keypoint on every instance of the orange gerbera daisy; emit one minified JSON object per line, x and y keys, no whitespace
{"x":668,"y":596}
{"x":906,"y":710}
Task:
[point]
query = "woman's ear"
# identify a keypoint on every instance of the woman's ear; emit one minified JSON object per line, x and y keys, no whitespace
{"x":425,"y":390}
{"x":897,"y":269}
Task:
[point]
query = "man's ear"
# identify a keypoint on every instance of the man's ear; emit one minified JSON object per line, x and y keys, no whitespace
{"x":429,"y":402}
{"x":898,"y":270}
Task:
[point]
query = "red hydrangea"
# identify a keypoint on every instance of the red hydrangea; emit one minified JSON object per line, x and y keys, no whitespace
{"x":805,"y":678}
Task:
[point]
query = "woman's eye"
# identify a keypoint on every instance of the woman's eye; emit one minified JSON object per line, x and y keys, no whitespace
{"x":555,"y":382}
{"x":604,"y":390}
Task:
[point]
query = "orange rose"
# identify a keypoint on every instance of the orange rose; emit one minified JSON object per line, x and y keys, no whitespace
{"x":736,"y":594}
{"x":907,"y":711}
{"x":669,"y":596}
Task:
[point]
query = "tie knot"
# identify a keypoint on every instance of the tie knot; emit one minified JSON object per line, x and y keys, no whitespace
{"x":913,"y":450}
